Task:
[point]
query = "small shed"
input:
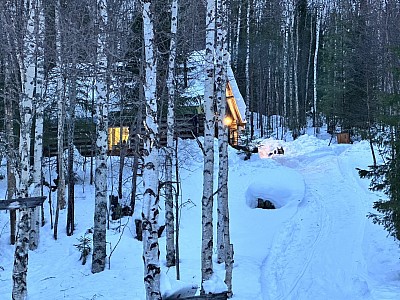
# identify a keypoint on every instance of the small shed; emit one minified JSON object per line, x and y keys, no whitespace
{"x":343,"y":138}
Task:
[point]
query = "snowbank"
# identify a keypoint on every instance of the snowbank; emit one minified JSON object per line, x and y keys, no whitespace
{"x":280,"y":186}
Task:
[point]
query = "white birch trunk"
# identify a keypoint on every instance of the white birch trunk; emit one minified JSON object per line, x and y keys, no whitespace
{"x":60,"y":150}
{"x":285,"y":77}
{"x":19,"y":291}
{"x":169,"y":202}
{"x":150,"y":210}
{"x":208,"y":175}
{"x":100,"y":210}
{"x":296,"y":81}
{"x":225,"y":254}
{"x":247,"y":67}
{"x":308,"y":67}
{"x":238,"y":24}
{"x":39,"y":110}
{"x":317,"y":35}
{"x":220,"y":92}
{"x":27,"y":72}
{"x":61,"y":202}
{"x":37,"y":176}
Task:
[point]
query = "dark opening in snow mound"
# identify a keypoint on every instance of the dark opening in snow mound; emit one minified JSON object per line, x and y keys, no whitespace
{"x":279,"y":187}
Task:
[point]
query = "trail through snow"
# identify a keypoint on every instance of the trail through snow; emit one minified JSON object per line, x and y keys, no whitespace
{"x":317,"y":253}
{"x":317,"y":245}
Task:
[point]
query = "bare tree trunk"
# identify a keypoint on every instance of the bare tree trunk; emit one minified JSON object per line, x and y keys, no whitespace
{"x":317,"y":36}
{"x":71,"y":148}
{"x":122,"y":153}
{"x":60,"y":157}
{"x":235,"y":53}
{"x":61,"y":86}
{"x":100,"y":210}
{"x":169,"y":201}
{"x":247,"y":68}
{"x":308,"y":70}
{"x":177,"y":216}
{"x":10,"y":145}
{"x":150,"y":210}
{"x":27,"y":72}
{"x":220,"y":91}
{"x":20,"y":270}
{"x":37,"y":173}
{"x":38,"y":139}
{"x":295,"y":51}
{"x":137,"y":155}
{"x":209,"y":129}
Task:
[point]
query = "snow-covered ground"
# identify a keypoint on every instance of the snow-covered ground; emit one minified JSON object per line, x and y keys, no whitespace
{"x":317,"y":244}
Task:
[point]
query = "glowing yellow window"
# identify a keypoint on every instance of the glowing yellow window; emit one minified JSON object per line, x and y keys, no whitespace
{"x":115,"y":137}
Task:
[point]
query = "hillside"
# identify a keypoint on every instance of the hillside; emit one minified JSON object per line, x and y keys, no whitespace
{"x":317,"y":244}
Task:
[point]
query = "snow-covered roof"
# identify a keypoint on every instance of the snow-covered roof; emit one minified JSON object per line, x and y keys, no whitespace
{"x":241,"y":105}
{"x":196,"y":80}
{"x":196,"y":75}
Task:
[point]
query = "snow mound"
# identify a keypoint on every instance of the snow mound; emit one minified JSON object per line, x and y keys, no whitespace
{"x":280,"y":186}
{"x":174,"y":289}
{"x":214,"y":285}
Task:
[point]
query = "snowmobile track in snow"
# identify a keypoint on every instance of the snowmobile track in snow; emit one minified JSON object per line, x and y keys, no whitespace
{"x":321,"y":221}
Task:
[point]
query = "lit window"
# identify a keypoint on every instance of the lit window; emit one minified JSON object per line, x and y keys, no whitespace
{"x":114,"y":136}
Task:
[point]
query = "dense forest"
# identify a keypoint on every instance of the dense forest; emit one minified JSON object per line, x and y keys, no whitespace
{"x":71,"y":68}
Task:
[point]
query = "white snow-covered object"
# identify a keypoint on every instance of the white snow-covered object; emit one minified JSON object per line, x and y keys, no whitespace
{"x":280,"y":186}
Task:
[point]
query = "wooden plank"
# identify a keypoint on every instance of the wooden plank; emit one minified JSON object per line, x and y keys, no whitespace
{"x":183,"y":293}
{"x":21,"y":203}
{"x":220,"y":296}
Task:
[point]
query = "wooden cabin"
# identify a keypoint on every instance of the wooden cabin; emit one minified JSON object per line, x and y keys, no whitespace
{"x":188,"y":124}
{"x":194,"y":81}
{"x":189,"y":117}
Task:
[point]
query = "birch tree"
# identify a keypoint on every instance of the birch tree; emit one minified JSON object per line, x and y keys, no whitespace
{"x":285,"y":29}
{"x":247,"y":67}
{"x":61,"y":84}
{"x":235,"y":52}
{"x":100,"y":210}
{"x":208,"y":175}
{"x":318,"y":21}
{"x":39,"y":110}
{"x":60,"y":151}
{"x":150,"y":210}
{"x":220,"y":95}
{"x":24,"y":51}
{"x":169,"y":202}
{"x":225,"y":252}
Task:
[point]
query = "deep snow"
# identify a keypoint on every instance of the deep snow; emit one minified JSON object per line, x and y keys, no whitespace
{"x":318,"y":243}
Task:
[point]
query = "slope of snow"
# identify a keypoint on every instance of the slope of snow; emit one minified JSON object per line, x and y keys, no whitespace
{"x":317,"y":245}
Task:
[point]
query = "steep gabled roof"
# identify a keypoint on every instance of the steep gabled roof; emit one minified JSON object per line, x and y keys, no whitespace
{"x":196,"y":79}
{"x":237,"y":104}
